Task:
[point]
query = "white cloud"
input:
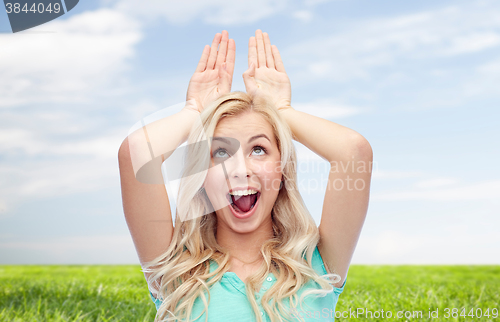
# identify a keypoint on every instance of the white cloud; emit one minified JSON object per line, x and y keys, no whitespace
{"x":216,"y":12}
{"x":303,"y":15}
{"x":488,"y":190}
{"x":49,"y":149}
{"x":361,"y":47}
{"x":390,"y":243}
{"x":3,"y":207}
{"x":473,"y":42}
{"x":30,"y":143}
{"x":74,"y":243}
{"x":492,"y":67}
{"x":143,"y":108}
{"x":109,"y":249}
{"x":85,"y":166}
{"x":328,"y":110}
{"x":395,"y":174}
{"x":436,"y":182}
{"x":81,"y":57}
{"x":13,"y":138}
{"x":484,"y":80}
{"x":56,"y":177}
{"x":315,"y":2}
{"x":454,"y":245}
{"x":55,"y":153}
{"x":52,"y":154}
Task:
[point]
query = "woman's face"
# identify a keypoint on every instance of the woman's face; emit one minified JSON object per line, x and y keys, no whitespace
{"x":244,"y":179}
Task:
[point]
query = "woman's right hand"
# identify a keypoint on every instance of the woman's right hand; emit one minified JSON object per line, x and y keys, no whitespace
{"x":214,"y":73}
{"x":266,"y":75}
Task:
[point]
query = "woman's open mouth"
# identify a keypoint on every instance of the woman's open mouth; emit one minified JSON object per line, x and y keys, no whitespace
{"x":243,"y":202}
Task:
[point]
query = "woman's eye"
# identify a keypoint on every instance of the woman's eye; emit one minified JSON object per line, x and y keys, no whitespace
{"x":259,"y":150}
{"x":220,"y":153}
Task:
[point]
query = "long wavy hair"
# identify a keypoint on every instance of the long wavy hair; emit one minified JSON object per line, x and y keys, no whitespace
{"x":182,"y":274}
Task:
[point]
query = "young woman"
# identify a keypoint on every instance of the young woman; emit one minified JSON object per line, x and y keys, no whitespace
{"x":244,"y":246}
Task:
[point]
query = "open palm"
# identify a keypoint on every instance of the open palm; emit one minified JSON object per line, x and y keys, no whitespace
{"x":214,"y":73}
{"x":266,"y":74}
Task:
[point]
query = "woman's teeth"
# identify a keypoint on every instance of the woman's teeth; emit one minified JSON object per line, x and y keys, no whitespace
{"x":243,"y":200}
{"x":243,"y":192}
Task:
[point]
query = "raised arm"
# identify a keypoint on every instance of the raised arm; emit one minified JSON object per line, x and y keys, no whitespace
{"x":145,"y":200}
{"x":349,"y":153}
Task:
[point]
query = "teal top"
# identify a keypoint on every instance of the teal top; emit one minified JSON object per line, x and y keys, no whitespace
{"x":228,"y":299}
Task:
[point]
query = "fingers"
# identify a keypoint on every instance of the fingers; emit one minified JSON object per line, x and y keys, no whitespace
{"x":277,"y":59}
{"x":213,"y":51}
{"x":221,"y":54}
{"x":225,"y":62}
{"x":252,"y":52}
{"x":231,"y":53}
{"x":261,"y":51}
{"x":267,"y":48}
{"x":202,"y":64}
{"x":262,"y":54}
{"x":225,"y":79}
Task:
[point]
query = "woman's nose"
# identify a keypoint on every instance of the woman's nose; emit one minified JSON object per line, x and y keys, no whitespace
{"x":238,"y":166}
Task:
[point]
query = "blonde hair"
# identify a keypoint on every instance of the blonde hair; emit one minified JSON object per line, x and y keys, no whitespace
{"x":182,"y":274}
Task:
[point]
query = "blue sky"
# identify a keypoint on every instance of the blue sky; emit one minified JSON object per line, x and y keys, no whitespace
{"x":419,"y":80}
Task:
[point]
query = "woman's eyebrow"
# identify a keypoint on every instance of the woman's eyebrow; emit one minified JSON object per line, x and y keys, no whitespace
{"x":219,"y":138}
{"x":255,"y":137}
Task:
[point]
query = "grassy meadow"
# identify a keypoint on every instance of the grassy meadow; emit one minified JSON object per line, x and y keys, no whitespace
{"x":119,"y":293}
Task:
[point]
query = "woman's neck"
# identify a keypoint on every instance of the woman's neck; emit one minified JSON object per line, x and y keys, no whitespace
{"x":245,"y":248}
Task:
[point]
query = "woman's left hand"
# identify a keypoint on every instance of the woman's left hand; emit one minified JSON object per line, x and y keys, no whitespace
{"x":266,"y":74}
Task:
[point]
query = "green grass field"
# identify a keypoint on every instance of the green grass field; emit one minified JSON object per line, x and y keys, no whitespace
{"x":119,"y":293}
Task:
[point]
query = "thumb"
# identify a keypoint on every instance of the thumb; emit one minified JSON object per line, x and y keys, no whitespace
{"x":250,"y":72}
{"x":249,"y":80}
